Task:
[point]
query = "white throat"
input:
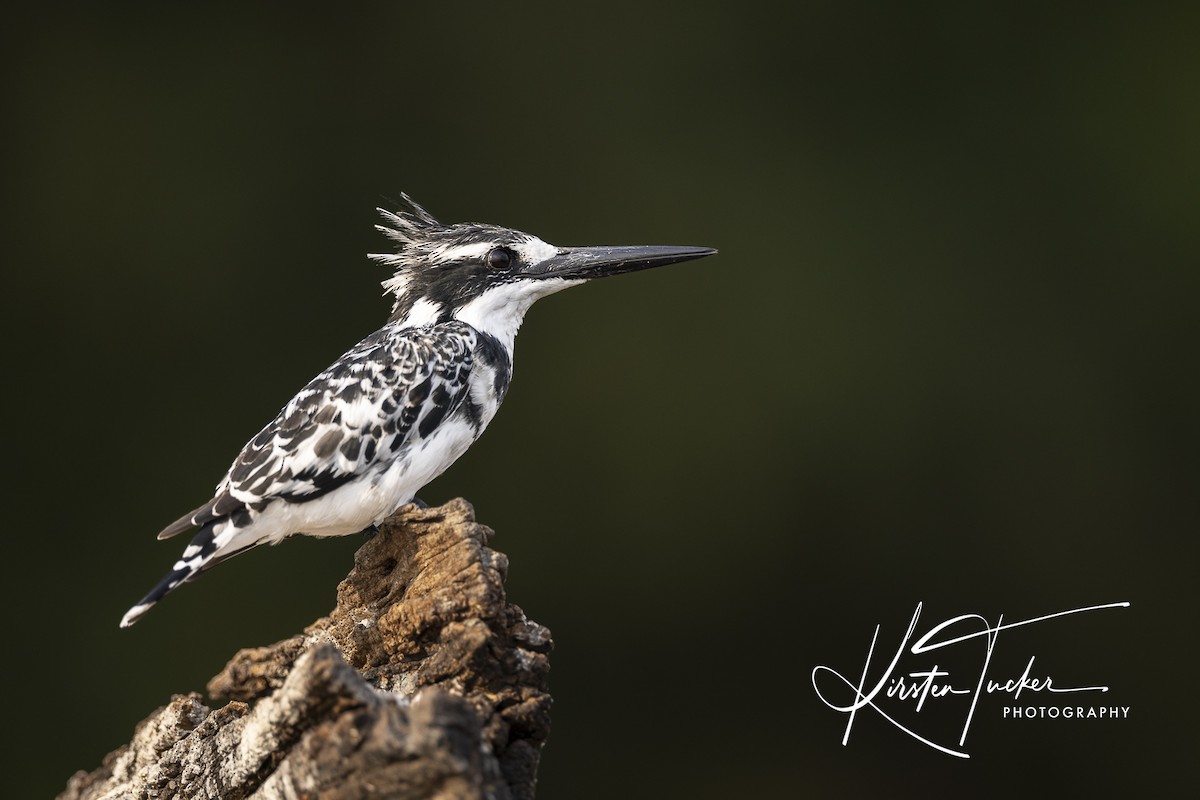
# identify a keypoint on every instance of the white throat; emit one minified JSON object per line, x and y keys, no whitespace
{"x":500,"y":310}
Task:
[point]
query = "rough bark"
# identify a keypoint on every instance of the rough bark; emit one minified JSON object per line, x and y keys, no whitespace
{"x":423,"y":682}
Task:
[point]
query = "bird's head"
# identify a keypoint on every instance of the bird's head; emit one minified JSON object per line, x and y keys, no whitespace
{"x":488,"y":276}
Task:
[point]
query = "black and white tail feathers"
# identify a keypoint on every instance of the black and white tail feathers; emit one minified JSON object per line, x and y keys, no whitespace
{"x":203,"y":553}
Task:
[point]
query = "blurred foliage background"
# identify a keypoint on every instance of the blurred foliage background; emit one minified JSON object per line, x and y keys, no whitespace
{"x":947,"y":354}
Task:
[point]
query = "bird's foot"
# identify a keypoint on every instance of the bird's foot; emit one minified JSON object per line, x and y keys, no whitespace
{"x":370,"y":531}
{"x":419,"y":503}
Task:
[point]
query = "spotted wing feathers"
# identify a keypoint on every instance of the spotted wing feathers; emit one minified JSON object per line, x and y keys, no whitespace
{"x":392,"y":388}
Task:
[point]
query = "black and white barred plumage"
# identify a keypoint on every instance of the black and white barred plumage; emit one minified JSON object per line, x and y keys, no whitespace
{"x":398,"y":408}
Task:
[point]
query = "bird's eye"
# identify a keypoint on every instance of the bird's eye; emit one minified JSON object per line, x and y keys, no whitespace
{"x":500,"y":258}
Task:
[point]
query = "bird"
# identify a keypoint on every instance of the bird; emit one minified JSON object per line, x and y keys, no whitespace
{"x":398,"y":408}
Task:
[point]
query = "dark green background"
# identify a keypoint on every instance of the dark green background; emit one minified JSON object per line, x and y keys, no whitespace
{"x":947,"y":354}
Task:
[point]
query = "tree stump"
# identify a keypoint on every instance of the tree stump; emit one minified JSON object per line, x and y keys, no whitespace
{"x":423,"y":682}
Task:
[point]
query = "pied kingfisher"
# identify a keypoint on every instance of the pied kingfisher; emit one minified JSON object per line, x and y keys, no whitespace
{"x":389,"y":416}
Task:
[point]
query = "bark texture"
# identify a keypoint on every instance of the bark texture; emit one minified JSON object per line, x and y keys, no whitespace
{"x":423,"y":682}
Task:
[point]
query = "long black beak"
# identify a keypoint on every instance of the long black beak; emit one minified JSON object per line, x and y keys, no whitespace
{"x":600,"y":262}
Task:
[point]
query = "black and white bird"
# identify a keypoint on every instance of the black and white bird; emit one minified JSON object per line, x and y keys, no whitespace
{"x":389,"y":416}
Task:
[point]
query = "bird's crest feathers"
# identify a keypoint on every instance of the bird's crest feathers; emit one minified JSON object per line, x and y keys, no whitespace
{"x":408,"y":229}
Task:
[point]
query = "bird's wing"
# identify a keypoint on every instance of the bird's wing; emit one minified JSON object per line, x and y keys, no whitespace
{"x":387,"y":393}
{"x":390,"y":389}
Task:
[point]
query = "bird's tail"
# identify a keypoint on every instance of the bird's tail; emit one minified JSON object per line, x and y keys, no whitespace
{"x":214,"y":543}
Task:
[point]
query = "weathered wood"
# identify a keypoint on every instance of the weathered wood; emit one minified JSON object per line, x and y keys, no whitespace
{"x":423,"y":682}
